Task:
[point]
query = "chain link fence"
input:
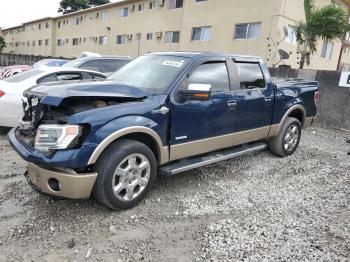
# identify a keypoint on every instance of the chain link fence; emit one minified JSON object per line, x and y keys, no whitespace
{"x":14,"y":59}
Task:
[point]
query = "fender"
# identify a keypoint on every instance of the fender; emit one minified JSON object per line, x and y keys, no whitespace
{"x":163,"y":151}
{"x":275,"y":129}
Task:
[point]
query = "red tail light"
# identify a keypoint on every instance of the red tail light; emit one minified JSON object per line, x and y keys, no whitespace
{"x":1,"y":93}
{"x":317,"y":98}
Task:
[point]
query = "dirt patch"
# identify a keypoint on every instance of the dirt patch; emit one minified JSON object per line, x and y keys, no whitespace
{"x":252,"y":208}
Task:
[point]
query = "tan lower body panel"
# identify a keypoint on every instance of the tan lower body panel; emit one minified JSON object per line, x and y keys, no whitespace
{"x":215,"y":143}
{"x":71,"y":184}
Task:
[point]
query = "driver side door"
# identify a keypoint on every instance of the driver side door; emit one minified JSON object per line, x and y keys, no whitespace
{"x":201,"y":126}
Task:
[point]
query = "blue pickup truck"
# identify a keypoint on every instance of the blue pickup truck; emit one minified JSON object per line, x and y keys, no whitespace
{"x":163,"y":113}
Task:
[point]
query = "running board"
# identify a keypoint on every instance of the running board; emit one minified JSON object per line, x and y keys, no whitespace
{"x":211,"y":158}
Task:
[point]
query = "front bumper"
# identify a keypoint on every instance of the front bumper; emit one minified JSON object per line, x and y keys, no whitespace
{"x":63,"y":183}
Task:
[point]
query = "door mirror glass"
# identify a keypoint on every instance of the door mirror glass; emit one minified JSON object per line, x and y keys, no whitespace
{"x":197,"y":92}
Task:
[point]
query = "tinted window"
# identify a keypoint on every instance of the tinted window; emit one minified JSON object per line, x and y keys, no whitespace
{"x":50,"y":78}
{"x":23,"y":76}
{"x":214,"y":74}
{"x":110,"y":65}
{"x":68,"y":76}
{"x":250,"y":75}
{"x":93,"y":76}
{"x":91,"y":65}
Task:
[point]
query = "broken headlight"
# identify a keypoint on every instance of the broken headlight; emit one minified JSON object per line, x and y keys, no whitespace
{"x":56,"y":137}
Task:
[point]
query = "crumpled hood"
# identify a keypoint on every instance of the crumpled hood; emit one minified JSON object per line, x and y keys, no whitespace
{"x":54,"y":94}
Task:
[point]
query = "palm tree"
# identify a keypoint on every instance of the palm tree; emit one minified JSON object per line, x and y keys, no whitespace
{"x":2,"y":44}
{"x":327,"y":23}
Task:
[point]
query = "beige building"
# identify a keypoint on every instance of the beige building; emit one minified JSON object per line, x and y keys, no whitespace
{"x":135,"y":27}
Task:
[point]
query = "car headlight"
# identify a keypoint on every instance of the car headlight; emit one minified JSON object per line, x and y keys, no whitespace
{"x":56,"y":137}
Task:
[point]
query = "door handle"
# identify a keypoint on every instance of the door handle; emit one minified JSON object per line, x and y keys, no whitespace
{"x":268,"y":99}
{"x":232,"y":103}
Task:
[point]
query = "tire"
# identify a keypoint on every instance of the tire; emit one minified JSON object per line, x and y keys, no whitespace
{"x":126,"y":173}
{"x":287,"y":140}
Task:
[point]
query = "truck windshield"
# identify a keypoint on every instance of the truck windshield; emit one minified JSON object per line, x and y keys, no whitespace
{"x":151,"y":73}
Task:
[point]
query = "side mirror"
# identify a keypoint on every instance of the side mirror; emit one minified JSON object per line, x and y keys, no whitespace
{"x":197,"y":92}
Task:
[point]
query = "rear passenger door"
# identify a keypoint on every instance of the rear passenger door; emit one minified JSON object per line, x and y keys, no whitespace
{"x":254,"y":103}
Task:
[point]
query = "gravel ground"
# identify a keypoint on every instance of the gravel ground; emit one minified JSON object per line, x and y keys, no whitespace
{"x":254,"y":208}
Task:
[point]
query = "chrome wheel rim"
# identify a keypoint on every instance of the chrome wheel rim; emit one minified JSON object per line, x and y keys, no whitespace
{"x":131,"y":177}
{"x":291,"y":138}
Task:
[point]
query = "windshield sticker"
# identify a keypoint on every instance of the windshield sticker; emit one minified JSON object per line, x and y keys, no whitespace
{"x":173,"y":63}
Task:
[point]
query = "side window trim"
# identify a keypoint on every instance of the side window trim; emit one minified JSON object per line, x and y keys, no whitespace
{"x":99,"y":64}
{"x":235,"y":83}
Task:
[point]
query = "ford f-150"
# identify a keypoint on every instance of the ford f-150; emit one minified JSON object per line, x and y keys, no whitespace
{"x":163,"y":113}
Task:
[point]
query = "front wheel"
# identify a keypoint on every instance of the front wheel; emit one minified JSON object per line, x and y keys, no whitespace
{"x":288,"y":139}
{"x":126,"y":173}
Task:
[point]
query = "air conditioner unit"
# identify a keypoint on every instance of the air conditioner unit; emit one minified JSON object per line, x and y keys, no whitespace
{"x":129,"y":37}
{"x":158,"y":35}
{"x":161,"y":2}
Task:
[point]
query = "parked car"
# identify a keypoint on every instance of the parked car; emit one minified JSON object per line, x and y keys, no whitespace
{"x":163,"y":113}
{"x":104,"y":64}
{"x":11,"y":89}
{"x":50,"y":63}
{"x":8,"y":71}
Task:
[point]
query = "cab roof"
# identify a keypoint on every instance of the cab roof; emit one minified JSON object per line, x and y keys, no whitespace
{"x":198,"y":55}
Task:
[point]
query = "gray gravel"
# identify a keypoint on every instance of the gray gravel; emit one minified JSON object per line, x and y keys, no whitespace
{"x":254,"y":208}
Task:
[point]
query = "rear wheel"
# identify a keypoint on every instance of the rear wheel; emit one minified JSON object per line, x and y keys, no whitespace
{"x":126,"y":172}
{"x":288,"y":139}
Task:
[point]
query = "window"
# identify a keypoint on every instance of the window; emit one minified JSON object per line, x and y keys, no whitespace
{"x":248,"y":31}
{"x":76,"y":21}
{"x":59,"y":24}
{"x":124,"y":12}
{"x":47,"y":25}
{"x":68,"y":76}
{"x":138,"y":37}
{"x":149,"y":36}
{"x":50,"y":78}
{"x":93,"y":65}
{"x":152,"y":4}
{"x":250,"y":75}
{"x":93,"y":76}
{"x":172,"y":37}
{"x":104,"y":16}
{"x":140,"y":7}
{"x":292,"y":35}
{"x":39,"y":26}
{"x":40,"y":42}
{"x":24,"y":76}
{"x":213,"y":73}
{"x":110,"y":65}
{"x":47,"y":42}
{"x":201,"y":0}
{"x":121,"y":39}
{"x":327,"y":50}
{"x":173,"y":4}
{"x":201,"y":33}
{"x":103,"y":40}
{"x":33,"y":43}
{"x":59,"y":42}
{"x":75,"y":41}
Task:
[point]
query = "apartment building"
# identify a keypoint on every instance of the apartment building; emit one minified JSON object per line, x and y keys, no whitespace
{"x":136,"y":27}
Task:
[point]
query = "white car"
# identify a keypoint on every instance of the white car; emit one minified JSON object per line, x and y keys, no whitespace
{"x":12,"y":88}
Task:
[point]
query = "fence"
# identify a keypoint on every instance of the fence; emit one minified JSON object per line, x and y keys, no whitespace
{"x":335,"y":100}
{"x":14,"y":59}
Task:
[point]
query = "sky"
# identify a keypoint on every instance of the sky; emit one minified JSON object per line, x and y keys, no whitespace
{"x":16,"y":12}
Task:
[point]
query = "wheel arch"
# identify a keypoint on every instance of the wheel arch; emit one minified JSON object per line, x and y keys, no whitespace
{"x":139,"y":133}
{"x":296,"y":111}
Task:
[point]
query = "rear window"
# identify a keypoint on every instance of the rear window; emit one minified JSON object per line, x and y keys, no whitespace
{"x":23,"y":76}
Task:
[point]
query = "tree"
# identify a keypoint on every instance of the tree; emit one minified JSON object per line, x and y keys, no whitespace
{"x":2,"y":44}
{"x":69,"y":6}
{"x":327,"y":23}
